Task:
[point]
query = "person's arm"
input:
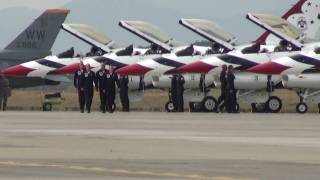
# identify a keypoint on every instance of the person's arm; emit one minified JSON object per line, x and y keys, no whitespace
{"x":75,"y":79}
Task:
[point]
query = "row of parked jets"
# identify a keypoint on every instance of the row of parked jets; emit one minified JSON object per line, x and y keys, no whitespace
{"x":286,"y":56}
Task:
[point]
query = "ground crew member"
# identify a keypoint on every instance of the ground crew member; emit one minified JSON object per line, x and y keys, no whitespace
{"x":78,"y":83}
{"x":124,"y":98}
{"x":180,"y":91}
{"x":223,"y":80}
{"x":5,"y":92}
{"x":101,"y":76}
{"x":111,"y":81}
{"x":231,"y":91}
{"x":173,"y":91}
{"x":89,"y":80}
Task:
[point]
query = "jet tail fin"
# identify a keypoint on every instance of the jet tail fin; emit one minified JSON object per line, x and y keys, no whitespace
{"x":41,"y":34}
{"x":297,"y":15}
{"x":279,"y":27}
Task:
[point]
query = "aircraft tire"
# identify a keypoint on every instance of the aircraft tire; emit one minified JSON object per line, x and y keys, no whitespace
{"x":302,"y":108}
{"x":274,"y":104}
{"x":169,"y":106}
{"x":47,"y":107}
{"x":209,"y":104}
{"x":258,"y":107}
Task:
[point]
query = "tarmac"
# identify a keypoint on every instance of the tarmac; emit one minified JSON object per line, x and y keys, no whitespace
{"x":142,"y":145}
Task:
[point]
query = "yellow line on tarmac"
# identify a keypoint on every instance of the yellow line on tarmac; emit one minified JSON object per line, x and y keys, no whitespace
{"x":118,"y":171}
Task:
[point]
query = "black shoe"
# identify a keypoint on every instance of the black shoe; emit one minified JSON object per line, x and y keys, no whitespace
{"x":82,"y":111}
{"x":88,"y":111}
{"x":103,"y":111}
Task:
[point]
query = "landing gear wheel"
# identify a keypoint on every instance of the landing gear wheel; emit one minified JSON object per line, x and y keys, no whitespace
{"x":209,"y":104}
{"x":302,"y":108}
{"x":258,"y":107}
{"x":47,"y":107}
{"x":169,"y":106}
{"x":274,"y":104}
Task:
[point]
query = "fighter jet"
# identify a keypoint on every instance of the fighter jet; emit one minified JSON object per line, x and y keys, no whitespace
{"x":34,"y":42}
{"x":242,"y":58}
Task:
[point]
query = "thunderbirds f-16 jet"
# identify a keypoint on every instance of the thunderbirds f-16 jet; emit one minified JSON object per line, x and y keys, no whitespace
{"x":298,"y":72}
{"x":242,"y":57}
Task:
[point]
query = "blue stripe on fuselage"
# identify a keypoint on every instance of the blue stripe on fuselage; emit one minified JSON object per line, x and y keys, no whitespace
{"x":49,"y":63}
{"x":306,"y":60}
{"x":244,"y":63}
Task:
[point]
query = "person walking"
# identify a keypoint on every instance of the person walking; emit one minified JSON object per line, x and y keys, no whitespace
{"x":223,"y":81}
{"x":111,"y":82}
{"x":124,"y":90}
{"x":79,"y":85}
{"x":89,"y":82}
{"x":101,"y":76}
{"x":231,"y":91}
{"x":180,"y":91}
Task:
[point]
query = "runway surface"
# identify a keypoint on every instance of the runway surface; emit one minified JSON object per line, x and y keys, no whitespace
{"x":132,"y":146}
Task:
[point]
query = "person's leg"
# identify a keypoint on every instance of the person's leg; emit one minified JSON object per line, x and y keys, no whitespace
{"x":127,"y":102}
{"x":101,"y":100}
{"x":113,"y":96}
{"x":109,"y":102}
{"x":90,"y":101}
{"x":122,"y":99}
{"x":1,"y":99}
{"x":180,"y":102}
{"x":228,"y":102}
{"x":81,"y":100}
{"x":4,"y":107}
{"x":86,"y":100}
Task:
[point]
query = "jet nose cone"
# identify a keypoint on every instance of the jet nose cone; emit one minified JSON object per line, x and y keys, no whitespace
{"x":268,"y":68}
{"x":70,"y":69}
{"x":17,"y":70}
{"x":196,"y":67}
{"x":134,"y":69}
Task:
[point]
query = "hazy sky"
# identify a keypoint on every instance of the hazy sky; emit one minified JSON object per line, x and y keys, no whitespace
{"x":36,"y":4}
{"x":15,"y":15}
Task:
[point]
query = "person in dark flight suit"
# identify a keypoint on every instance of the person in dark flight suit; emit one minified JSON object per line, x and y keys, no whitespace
{"x":223,"y":80}
{"x":5,"y":92}
{"x":102,"y":87}
{"x":78,"y":83}
{"x":231,"y":91}
{"x":89,"y":80}
{"x":124,"y":81}
{"x":180,"y":91}
{"x":111,"y":81}
{"x":174,"y":92}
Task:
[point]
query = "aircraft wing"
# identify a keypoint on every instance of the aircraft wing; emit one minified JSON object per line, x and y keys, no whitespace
{"x":279,"y":27}
{"x":89,"y":35}
{"x":150,"y":33}
{"x":210,"y":31}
